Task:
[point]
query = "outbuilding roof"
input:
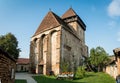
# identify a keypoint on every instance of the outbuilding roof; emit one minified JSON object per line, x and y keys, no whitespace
{"x":23,"y":61}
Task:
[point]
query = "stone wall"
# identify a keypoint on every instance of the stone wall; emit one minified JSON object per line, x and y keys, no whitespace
{"x":32,"y":58}
{"x":71,"y":53}
{"x":53,"y":47}
{"x":80,"y":33}
{"x":111,"y":69}
{"x":7,"y":68}
{"x":46,"y":56}
{"x":117,"y":57}
{"x":114,"y":68}
{"x":79,"y":30}
{"x":22,"y":67}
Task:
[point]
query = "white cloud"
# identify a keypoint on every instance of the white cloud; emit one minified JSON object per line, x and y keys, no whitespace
{"x":114,"y":8}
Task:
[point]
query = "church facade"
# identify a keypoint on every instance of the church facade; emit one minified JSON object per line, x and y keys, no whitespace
{"x":57,"y":43}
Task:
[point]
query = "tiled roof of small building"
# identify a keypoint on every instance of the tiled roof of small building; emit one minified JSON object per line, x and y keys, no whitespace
{"x":111,"y":60}
{"x":69,"y":13}
{"x":50,"y":20}
{"x":116,"y":50}
{"x":23,"y":61}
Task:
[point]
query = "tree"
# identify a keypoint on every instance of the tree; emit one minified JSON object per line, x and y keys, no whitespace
{"x":98,"y":57}
{"x":9,"y":43}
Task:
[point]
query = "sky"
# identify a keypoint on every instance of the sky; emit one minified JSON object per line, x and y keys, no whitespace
{"x":102,"y":18}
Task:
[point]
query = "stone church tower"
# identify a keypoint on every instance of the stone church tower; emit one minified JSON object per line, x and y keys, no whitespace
{"x":58,"y":42}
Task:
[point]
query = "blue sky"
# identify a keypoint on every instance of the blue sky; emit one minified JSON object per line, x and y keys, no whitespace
{"x":102,"y":18}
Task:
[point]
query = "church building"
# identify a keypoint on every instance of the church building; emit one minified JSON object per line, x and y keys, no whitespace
{"x":58,"y":45}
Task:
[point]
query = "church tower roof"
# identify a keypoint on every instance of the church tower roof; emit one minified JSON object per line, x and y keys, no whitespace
{"x":50,"y":20}
{"x":69,"y":13}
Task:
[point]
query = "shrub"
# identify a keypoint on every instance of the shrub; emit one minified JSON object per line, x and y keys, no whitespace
{"x":80,"y":73}
{"x":64,"y":67}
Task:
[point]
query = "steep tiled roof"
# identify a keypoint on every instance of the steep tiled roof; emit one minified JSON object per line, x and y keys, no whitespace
{"x":112,"y":58}
{"x":69,"y":13}
{"x":116,"y":50}
{"x":111,"y":61}
{"x":50,"y":20}
{"x":23,"y":61}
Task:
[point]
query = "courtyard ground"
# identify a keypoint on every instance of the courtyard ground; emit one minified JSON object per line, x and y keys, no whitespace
{"x":25,"y":76}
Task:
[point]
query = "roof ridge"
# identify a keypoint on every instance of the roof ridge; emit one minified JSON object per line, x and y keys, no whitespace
{"x":51,"y":19}
{"x":55,"y":15}
{"x":69,"y":13}
{"x":73,"y":11}
{"x":23,"y":58}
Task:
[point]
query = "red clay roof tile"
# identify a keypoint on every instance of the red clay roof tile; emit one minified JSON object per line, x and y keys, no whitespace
{"x":69,"y":13}
{"x":50,"y":20}
{"x":23,"y":61}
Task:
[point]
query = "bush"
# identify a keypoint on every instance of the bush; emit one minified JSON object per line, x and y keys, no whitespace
{"x":80,"y":73}
{"x":64,"y":67}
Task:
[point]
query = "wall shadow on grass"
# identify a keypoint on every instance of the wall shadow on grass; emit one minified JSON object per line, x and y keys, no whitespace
{"x":49,"y":79}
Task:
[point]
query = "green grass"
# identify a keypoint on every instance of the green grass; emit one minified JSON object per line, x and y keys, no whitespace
{"x":89,"y":78}
{"x":20,"y":81}
{"x":97,"y":78}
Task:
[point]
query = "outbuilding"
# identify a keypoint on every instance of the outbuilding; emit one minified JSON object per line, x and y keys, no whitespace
{"x":7,"y":67}
{"x":22,"y":65}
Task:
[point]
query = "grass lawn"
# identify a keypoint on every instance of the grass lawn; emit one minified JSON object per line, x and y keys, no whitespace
{"x":20,"y":81}
{"x":89,"y":78}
